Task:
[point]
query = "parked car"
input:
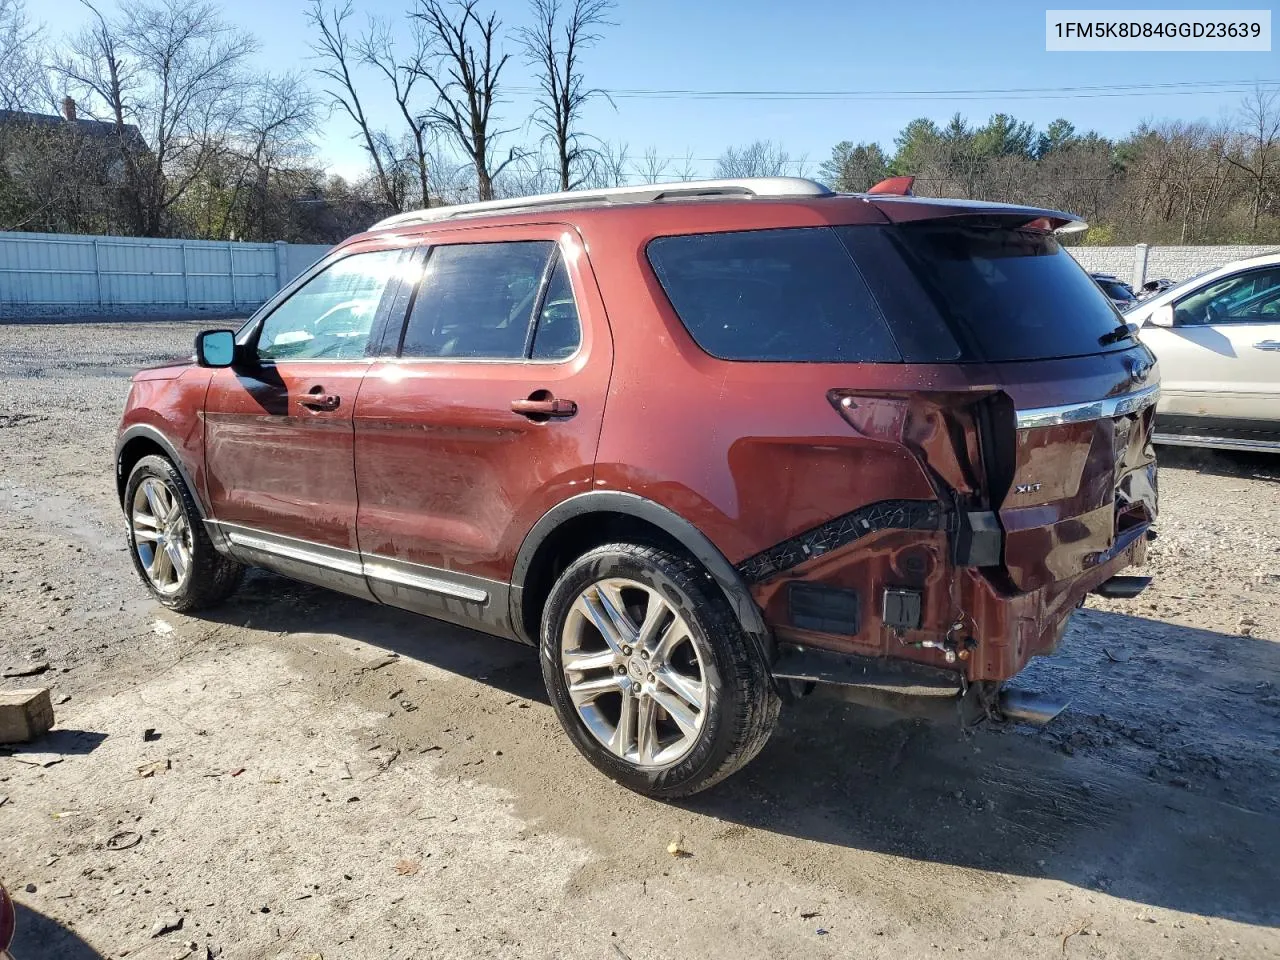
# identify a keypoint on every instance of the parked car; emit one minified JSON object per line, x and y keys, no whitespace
{"x":706,"y":445}
{"x":1218,"y":340}
{"x":1117,"y":291}
{"x":1151,"y":287}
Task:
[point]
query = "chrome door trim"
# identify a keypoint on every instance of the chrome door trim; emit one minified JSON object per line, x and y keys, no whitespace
{"x":1105,"y":409}
{"x":381,"y":568}
{"x":415,"y":576}
{"x":291,"y":548}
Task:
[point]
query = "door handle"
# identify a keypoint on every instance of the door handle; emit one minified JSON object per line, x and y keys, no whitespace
{"x":319,"y":400}
{"x":1267,"y":345}
{"x":544,"y":409}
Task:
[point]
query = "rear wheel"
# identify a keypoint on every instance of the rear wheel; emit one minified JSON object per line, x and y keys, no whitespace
{"x":650,"y":673}
{"x":171,"y":551}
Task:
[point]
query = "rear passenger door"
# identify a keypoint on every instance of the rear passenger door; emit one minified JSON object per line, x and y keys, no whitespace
{"x":482,"y":413}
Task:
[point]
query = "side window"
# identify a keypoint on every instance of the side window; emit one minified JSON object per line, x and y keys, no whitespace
{"x":476,"y":300}
{"x":1245,"y":298}
{"x":787,"y":295}
{"x":331,"y":315}
{"x":559,"y":331}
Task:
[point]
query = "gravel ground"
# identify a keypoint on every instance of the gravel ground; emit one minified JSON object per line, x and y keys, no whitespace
{"x":336,"y":779}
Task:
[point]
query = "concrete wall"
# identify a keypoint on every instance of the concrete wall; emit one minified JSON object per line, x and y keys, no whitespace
{"x":49,"y":274}
{"x":1175,"y":263}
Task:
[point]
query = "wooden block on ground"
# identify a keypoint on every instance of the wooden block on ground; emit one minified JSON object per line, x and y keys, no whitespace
{"x":24,"y":715}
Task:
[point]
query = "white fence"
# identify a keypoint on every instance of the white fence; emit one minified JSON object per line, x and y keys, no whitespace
{"x":1141,"y":262}
{"x":43,"y":273}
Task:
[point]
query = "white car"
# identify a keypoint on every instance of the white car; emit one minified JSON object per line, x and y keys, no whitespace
{"x":1217,"y":337}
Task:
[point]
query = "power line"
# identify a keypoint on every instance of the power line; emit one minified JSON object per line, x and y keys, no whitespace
{"x":1178,"y":88}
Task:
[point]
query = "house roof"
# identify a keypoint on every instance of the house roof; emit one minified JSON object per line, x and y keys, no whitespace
{"x":102,"y":129}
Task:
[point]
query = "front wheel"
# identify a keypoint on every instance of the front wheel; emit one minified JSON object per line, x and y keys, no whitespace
{"x":171,"y":551}
{"x":650,"y":673}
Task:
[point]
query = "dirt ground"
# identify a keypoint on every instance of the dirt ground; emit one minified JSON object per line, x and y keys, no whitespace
{"x":331,"y":778}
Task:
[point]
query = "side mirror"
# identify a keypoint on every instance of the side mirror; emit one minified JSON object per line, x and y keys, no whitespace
{"x":215,"y":348}
{"x":1161,"y":316}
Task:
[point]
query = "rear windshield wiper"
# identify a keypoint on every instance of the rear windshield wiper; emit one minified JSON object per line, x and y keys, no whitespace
{"x":1126,"y":331}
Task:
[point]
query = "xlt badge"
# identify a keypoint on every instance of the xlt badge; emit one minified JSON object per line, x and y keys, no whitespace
{"x":1026,"y":488}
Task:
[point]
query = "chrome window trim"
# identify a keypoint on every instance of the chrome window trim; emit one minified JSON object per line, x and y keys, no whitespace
{"x":385,"y":569}
{"x":515,"y":361}
{"x":1105,"y":409}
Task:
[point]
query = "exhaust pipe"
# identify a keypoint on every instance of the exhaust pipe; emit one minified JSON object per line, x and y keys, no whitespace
{"x":1122,"y":588}
{"x":1029,"y":707}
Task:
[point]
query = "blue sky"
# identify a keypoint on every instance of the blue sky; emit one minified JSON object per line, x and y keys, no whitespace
{"x":834,"y":45}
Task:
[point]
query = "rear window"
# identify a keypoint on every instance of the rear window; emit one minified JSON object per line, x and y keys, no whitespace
{"x":921,"y":293}
{"x":1005,"y":294}
{"x":1115,"y":289}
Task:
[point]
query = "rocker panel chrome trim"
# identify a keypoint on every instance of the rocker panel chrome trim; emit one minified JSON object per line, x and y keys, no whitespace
{"x":385,"y":569}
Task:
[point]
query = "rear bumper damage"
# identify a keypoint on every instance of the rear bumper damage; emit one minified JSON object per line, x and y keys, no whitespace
{"x":921,"y":665}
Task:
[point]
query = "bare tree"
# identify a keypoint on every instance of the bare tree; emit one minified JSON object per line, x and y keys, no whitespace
{"x":169,"y":76}
{"x":338,"y":55}
{"x":608,"y":165}
{"x":553,"y":46}
{"x":21,"y":58}
{"x":275,"y":123}
{"x":763,"y":158}
{"x":450,"y":179}
{"x":688,"y":169}
{"x":527,"y":175}
{"x":1256,"y":150}
{"x":465,"y":75}
{"x":652,"y":168}
{"x":403,"y":68}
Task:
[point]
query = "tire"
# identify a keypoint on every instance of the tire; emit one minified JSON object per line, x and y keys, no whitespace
{"x":207,"y":578}
{"x":649,"y":751}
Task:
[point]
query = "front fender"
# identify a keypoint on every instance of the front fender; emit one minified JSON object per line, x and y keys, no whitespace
{"x":168,"y":414}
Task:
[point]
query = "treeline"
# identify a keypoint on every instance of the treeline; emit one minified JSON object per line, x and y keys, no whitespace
{"x":1171,"y":182}
{"x":151,"y":121}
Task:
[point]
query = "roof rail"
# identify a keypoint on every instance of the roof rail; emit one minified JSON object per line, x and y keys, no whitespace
{"x":762,"y":188}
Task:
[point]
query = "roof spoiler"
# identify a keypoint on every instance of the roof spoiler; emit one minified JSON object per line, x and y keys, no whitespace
{"x":894,"y":186}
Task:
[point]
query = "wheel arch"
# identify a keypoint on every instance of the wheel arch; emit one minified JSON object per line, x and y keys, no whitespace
{"x":141,"y":440}
{"x":591,"y":519}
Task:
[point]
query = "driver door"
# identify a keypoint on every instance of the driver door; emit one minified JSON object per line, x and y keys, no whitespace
{"x":278,"y":429}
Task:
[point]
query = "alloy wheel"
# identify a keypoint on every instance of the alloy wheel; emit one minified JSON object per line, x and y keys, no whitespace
{"x":161,"y":535}
{"x":635,"y":672}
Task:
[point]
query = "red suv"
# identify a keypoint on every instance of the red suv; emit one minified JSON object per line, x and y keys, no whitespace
{"x":705,"y":444}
